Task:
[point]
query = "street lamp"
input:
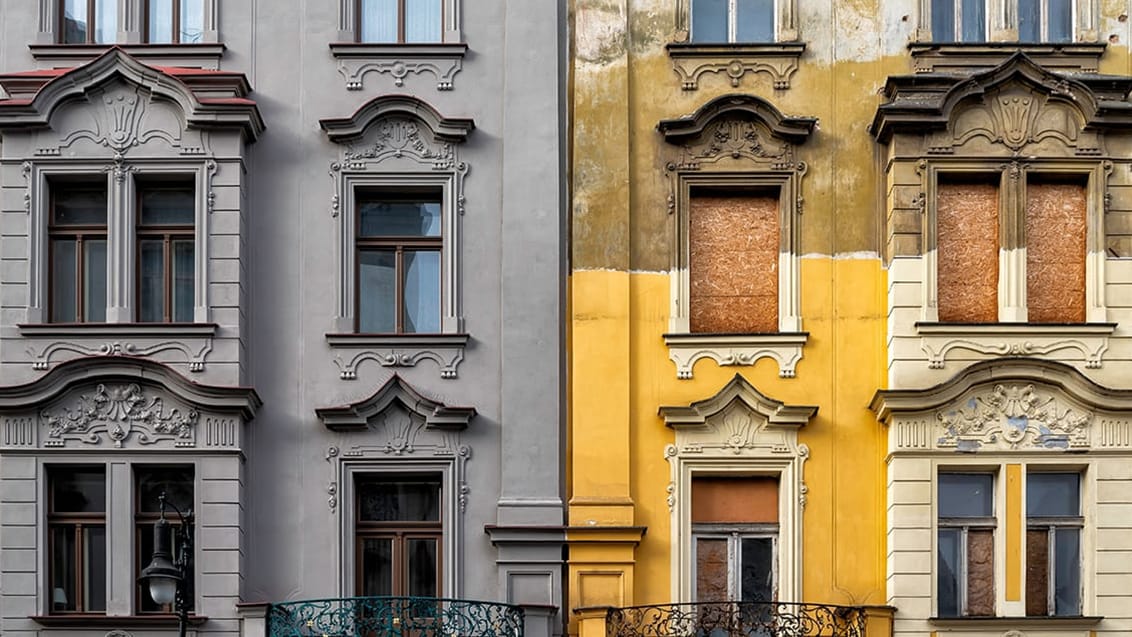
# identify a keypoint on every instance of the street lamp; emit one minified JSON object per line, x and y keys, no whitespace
{"x":166,"y":574}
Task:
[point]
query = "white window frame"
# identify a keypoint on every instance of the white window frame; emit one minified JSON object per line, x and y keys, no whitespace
{"x":735,"y":533}
{"x":131,"y":28}
{"x":785,"y":21}
{"x":1002,"y":20}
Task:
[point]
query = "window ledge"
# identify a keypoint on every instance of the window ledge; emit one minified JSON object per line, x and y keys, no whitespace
{"x":692,"y":60}
{"x":204,"y":56}
{"x":1089,"y":340}
{"x":397,"y":350}
{"x":55,"y":342}
{"x":1015,"y":622}
{"x":735,"y":349}
{"x":355,"y":61}
{"x":969,"y":57}
{"x":113,"y":621}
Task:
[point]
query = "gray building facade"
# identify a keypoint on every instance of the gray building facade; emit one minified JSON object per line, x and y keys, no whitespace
{"x":299,"y":265}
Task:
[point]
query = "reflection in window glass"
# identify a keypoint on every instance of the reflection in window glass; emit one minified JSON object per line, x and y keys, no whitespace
{"x":709,"y":21}
{"x":377,"y":292}
{"x":422,"y":21}
{"x":378,"y":21}
{"x":1053,"y":494}
{"x":966,"y":495}
{"x":94,"y":281}
{"x":422,"y":292}
{"x":754,"y":21}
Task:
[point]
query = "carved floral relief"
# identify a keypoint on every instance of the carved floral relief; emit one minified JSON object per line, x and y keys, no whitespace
{"x":1014,"y":416}
{"x":119,"y":413}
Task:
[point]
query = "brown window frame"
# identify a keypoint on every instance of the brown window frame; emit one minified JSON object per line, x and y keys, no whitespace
{"x":399,"y":532}
{"x":168,"y":233}
{"x":400,"y":24}
{"x":176,"y":27}
{"x":79,"y":521}
{"x":965,"y":525}
{"x":91,"y":5}
{"x":80,"y":234}
{"x":143,"y":524}
{"x":1052,"y":524}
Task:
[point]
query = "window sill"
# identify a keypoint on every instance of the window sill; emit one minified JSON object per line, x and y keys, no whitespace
{"x":691,"y":61}
{"x":355,"y":61}
{"x":735,"y":350}
{"x":79,"y":620}
{"x":203,"y":56}
{"x":397,"y":350}
{"x":56,"y":342}
{"x":969,"y":57}
{"x":1045,"y":340}
{"x":1000,"y":623}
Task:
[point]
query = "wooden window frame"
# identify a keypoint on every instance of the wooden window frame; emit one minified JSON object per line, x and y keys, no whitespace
{"x":143,"y":523}
{"x":1002,"y":22}
{"x":360,"y":16}
{"x":399,"y":532}
{"x":79,"y":521}
{"x":1052,"y":524}
{"x":80,"y":234}
{"x":168,"y":233}
{"x":735,"y":534}
{"x":91,"y":7}
{"x":176,"y":26}
{"x":965,"y":525}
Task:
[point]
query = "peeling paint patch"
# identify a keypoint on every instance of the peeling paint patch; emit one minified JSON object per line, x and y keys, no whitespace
{"x":600,"y":31}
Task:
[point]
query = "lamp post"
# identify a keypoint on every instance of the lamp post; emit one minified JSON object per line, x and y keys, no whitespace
{"x":167,"y":573}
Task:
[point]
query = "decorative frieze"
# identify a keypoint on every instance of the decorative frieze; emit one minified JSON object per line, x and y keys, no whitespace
{"x":1013,"y":415}
{"x":356,"y":61}
{"x":116,"y":414}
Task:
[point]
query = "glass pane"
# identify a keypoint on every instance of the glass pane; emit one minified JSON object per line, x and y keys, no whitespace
{"x":943,"y":20}
{"x":79,"y":204}
{"x":755,"y":21}
{"x":171,"y":205}
{"x":422,"y":292}
{"x":160,"y":21}
{"x":378,"y":21}
{"x":948,"y":573}
{"x":1053,"y":494}
{"x":422,"y":21}
{"x":709,"y":21}
{"x":377,"y":292}
{"x":399,"y":216}
{"x":94,"y":571}
{"x":94,"y":285}
{"x":184,"y":284}
{"x":78,"y":490}
{"x":756,"y":575}
{"x":974,"y":20}
{"x":75,"y":22}
{"x":963,"y":495}
{"x":399,"y":501}
{"x":377,"y":567}
{"x":192,"y":21}
{"x":151,"y":281}
{"x":1029,"y":21}
{"x":175,"y":482}
{"x":64,"y":276}
{"x":63,"y":567}
{"x":421,"y":554}
{"x":1067,"y":568}
{"x":712,"y":571}
{"x":1060,"y":26}
{"x":106,"y":21}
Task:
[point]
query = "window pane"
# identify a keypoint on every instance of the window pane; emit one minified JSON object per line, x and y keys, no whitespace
{"x":192,"y":21}
{"x":755,"y":21}
{"x":948,"y":572}
{"x":64,"y":277}
{"x":1037,"y":571}
{"x":106,"y":21}
{"x":1053,"y":494}
{"x":377,"y":291}
{"x":709,"y":20}
{"x":974,"y":20}
{"x":711,"y":569}
{"x":151,"y":281}
{"x":168,"y":205}
{"x":94,"y":580}
{"x":963,"y":495}
{"x":79,"y":204}
{"x":422,"y":21}
{"x":943,"y":20}
{"x":160,"y":21}
{"x":75,"y":22}
{"x":756,"y":575}
{"x":1067,"y":568}
{"x":184,"y":251}
{"x":78,"y":490}
{"x":1029,"y":21}
{"x":980,"y":572}
{"x":378,"y":21}
{"x":63,"y":567}
{"x":94,"y":285}
{"x":377,"y":567}
{"x":1060,"y":26}
{"x":399,"y":501}
{"x":422,"y":567}
{"x":175,"y":482}
{"x":422,"y":292}
{"x":400,"y":216}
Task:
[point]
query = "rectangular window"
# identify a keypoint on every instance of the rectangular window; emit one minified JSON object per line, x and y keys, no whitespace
{"x":77,"y":236}
{"x":174,"y":21}
{"x":398,"y":269}
{"x":732,"y":21}
{"x":733,"y":258}
{"x":399,"y":21}
{"x":1056,"y":245}
{"x":1053,"y":544}
{"x":150,"y":482}
{"x":88,"y":21}
{"x":967,"y":260}
{"x":76,"y":522}
{"x":735,"y":535}
{"x":959,"y":20}
{"x":966,"y":20}
{"x":965,"y":556}
{"x":398,"y":534}
{"x":166,"y":251}
{"x":1045,"y":20}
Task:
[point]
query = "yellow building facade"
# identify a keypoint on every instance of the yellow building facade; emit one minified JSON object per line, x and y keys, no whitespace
{"x":759,"y":298}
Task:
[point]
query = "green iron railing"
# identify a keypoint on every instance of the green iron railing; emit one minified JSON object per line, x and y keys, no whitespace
{"x":395,"y":616}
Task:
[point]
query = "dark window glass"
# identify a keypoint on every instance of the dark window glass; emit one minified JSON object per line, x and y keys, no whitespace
{"x":1053,"y":494}
{"x":757,"y":569}
{"x":77,"y":531}
{"x":1053,"y":544}
{"x":399,"y":532}
{"x":176,"y":482}
{"x":78,"y":251}
{"x":399,"y":501}
{"x":966,"y":495}
{"x":88,"y":21}
{"x":166,"y":251}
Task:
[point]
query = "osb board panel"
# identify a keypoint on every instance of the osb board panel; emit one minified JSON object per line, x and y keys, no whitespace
{"x":741,"y":500}
{"x":733,"y":263}
{"x":1037,"y":572}
{"x":711,"y":569}
{"x":967,"y":252}
{"x":1055,"y":252}
{"x":980,"y":572}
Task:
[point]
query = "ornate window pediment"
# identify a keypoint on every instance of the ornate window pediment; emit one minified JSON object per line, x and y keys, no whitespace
{"x":399,"y":407}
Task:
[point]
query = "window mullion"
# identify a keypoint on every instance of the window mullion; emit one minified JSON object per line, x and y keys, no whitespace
{"x":167,"y":276}
{"x":80,"y":275}
{"x":961,"y":567}
{"x":1051,"y":566}
{"x":732,"y":20}
{"x":734,"y":566}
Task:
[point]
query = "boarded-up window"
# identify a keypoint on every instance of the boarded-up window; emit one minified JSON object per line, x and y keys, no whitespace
{"x":735,"y":531}
{"x":965,"y":546}
{"x":967,"y":232}
{"x":734,"y":239}
{"x":1055,"y":250}
{"x":1053,"y":544}
{"x":741,"y":500}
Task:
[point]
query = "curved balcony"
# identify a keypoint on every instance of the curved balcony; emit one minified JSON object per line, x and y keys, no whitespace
{"x":394,"y":616}
{"x":737,"y":619}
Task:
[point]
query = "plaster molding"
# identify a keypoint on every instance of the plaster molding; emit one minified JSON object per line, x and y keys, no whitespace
{"x":355,"y":61}
{"x":419,"y":413}
{"x":50,"y":344}
{"x":1013,"y":415}
{"x":117,"y":414}
{"x":1089,"y":341}
{"x":779,"y":61}
{"x":404,"y":350}
{"x":685,"y":350}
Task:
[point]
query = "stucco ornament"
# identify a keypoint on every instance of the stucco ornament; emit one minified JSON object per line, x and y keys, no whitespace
{"x":401,"y":137}
{"x":1014,"y":415}
{"x":119,"y":413}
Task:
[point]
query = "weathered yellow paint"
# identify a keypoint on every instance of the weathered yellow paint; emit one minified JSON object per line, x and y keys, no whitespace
{"x":1014,"y":532}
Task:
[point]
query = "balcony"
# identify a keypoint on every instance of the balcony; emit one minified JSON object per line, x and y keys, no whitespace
{"x":394,"y":616}
{"x":737,"y":619}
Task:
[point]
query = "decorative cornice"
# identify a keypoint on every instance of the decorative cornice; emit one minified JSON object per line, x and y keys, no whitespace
{"x":794,"y":130}
{"x":355,"y":61}
{"x":358,"y":416}
{"x":397,"y":350}
{"x":347,"y":129}
{"x":692,"y":61}
{"x":776,"y":412}
{"x":1090,"y":340}
{"x":685,"y":350}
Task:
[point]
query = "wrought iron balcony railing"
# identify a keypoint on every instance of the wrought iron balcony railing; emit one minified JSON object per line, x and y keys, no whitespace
{"x":394,"y":616}
{"x":736,"y":619}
